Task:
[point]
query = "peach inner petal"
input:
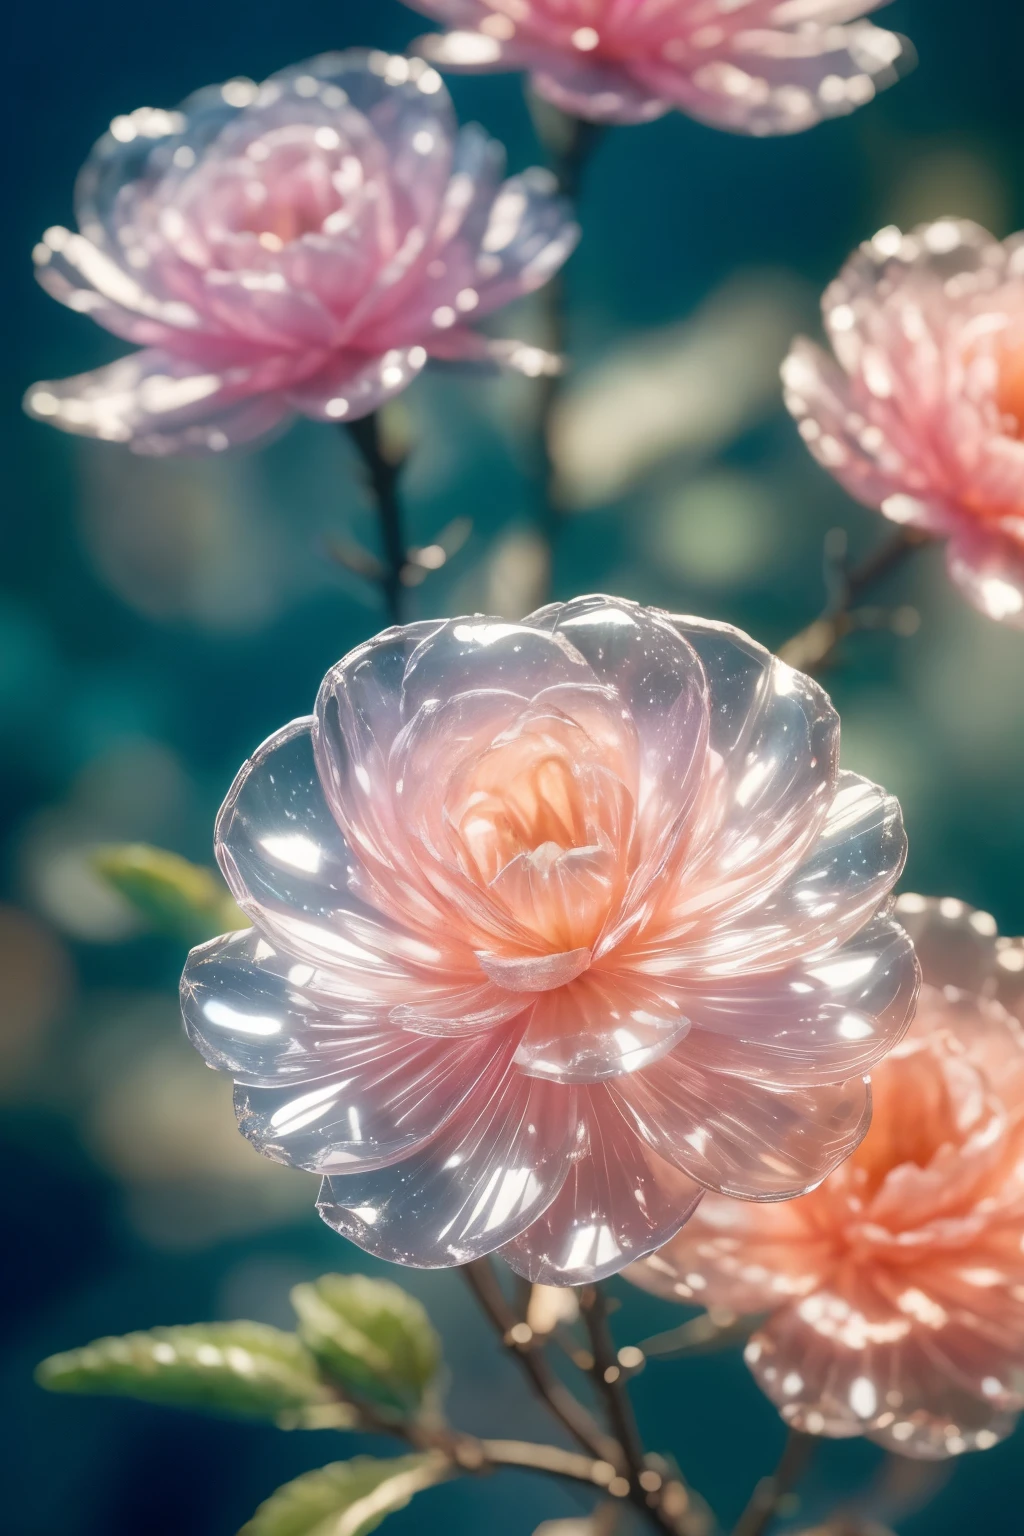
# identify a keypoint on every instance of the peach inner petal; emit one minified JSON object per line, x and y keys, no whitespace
{"x":1010,"y":386}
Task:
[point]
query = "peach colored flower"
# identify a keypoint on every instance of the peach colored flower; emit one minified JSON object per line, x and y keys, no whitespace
{"x":556,"y":924}
{"x":923,"y":416}
{"x":753,"y":66}
{"x":895,"y":1292}
{"x":306,"y":245}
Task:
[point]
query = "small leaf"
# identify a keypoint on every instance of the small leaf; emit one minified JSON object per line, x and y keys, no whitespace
{"x":371,"y":1337}
{"x":175,"y":897}
{"x":347,"y":1498}
{"x":238,"y":1368}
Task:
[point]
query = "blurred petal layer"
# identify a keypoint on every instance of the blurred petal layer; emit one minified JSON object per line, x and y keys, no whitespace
{"x":921,"y":412}
{"x":890,"y":1297}
{"x":752,"y":66}
{"x":556,"y":925}
{"x":306,"y":245}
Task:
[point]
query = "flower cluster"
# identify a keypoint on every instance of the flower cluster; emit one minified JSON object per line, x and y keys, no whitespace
{"x":306,"y":245}
{"x":895,"y":1291}
{"x":923,"y":414}
{"x":556,"y":925}
{"x":752,"y":66}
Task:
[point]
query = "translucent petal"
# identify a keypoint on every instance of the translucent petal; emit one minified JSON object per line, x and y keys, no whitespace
{"x":955,"y":943}
{"x":824,"y":1020}
{"x":858,"y":857}
{"x":290,"y":869}
{"x":989,"y":570}
{"x":352,"y":386}
{"x":160,"y":404}
{"x":491,"y":1172}
{"x":841,"y":1364}
{"x":474,"y":653}
{"x":602,"y":1024}
{"x":619,"y":1201}
{"x":388,"y":1094}
{"x":744,"y":1138}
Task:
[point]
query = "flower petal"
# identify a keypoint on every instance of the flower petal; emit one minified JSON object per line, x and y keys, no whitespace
{"x":824,"y":1020}
{"x":619,"y":1201}
{"x":858,"y":857}
{"x":840,"y":1363}
{"x":352,"y":385}
{"x":989,"y":570}
{"x":740,"y":1257}
{"x":290,"y":869}
{"x":955,"y":943}
{"x":159,"y":404}
{"x":600,"y":1025}
{"x":744,"y":1138}
{"x":493,"y":1169}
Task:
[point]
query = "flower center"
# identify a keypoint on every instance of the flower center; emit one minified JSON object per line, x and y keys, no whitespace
{"x":521,"y":799}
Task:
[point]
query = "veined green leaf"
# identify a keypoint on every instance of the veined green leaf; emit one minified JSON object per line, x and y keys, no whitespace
{"x":237,"y":1368}
{"x":371,"y":1337}
{"x":347,"y":1498}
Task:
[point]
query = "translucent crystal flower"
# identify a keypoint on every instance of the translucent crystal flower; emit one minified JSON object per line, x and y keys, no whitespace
{"x":306,"y":245}
{"x":556,"y":924}
{"x":753,"y":66}
{"x":923,"y":414}
{"x":895,"y":1292}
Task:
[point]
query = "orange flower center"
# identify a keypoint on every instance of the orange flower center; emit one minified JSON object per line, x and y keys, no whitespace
{"x":521,"y":798}
{"x":914,"y":1115}
{"x":1010,"y":389}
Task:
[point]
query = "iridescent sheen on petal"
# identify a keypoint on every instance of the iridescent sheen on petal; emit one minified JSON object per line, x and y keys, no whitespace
{"x":306,"y":245}
{"x":556,"y":925}
{"x":921,"y":412}
{"x":891,"y":1296}
{"x":754,"y":67}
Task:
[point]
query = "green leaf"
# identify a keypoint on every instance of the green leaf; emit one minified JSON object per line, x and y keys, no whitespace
{"x":347,"y":1498}
{"x":175,"y":897}
{"x":237,"y":1368}
{"x":371,"y":1337}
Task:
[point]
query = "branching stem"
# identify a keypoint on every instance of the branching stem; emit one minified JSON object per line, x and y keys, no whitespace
{"x":383,"y":475}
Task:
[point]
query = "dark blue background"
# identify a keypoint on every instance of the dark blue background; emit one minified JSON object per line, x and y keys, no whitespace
{"x":156,"y":622}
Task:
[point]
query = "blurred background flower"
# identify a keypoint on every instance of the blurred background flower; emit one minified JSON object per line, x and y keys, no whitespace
{"x":305,"y":245}
{"x":137,"y":597}
{"x":922,"y":417}
{"x":892,"y":1293}
{"x":754,"y":67}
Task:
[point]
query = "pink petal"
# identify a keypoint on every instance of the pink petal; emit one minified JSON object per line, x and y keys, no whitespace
{"x":744,"y":1138}
{"x":353,"y":385}
{"x":535,"y":973}
{"x":989,"y":570}
{"x":955,"y":944}
{"x":493,"y":1169}
{"x":603,"y":1024}
{"x":618,"y":1202}
{"x":739,"y":1257}
{"x":858,"y":857}
{"x":160,"y":404}
{"x":767,"y":81}
{"x":825,"y":1020}
{"x":773,"y":749}
{"x":291,"y":870}
{"x":840,"y":1364}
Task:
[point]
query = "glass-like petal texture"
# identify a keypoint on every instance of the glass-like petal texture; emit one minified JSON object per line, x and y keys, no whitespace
{"x":305,"y":245}
{"x":556,"y":924}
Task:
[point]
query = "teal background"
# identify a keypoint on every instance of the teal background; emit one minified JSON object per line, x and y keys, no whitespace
{"x":157,"y":620}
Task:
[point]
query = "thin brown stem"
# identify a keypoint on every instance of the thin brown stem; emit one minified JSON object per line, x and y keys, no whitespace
{"x":519,"y":1339}
{"x":813,"y":649}
{"x":667,"y":1502}
{"x":382,"y":473}
{"x":770,"y":1491}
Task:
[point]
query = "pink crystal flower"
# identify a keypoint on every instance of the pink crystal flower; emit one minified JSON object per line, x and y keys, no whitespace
{"x":923,"y":415}
{"x":301,"y":246}
{"x":556,"y":924}
{"x":752,"y":66}
{"x":895,"y":1292}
